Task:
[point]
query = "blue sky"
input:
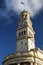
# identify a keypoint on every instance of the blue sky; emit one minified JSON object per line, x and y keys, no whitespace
{"x":8,"y":24}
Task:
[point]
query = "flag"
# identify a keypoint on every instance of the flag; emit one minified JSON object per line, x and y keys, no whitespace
{"x":22,"y":2}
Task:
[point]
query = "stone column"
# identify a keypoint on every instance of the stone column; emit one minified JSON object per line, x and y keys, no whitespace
{"x":31,"y":63}
{"x":34,"y":63}
{"x":18,"y":64}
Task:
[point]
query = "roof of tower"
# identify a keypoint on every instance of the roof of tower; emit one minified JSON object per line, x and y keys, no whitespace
{"x":24,"y":11}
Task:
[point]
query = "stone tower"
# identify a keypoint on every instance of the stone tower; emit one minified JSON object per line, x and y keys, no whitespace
{"x":25,"y":33}
{"x":26,"y":52}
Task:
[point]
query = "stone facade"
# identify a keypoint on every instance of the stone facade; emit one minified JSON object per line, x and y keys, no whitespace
{"x":26,"y":52}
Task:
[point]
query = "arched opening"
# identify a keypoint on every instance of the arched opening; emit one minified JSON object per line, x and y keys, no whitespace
{"x":25,"y":63}
{"x":13,"y":64}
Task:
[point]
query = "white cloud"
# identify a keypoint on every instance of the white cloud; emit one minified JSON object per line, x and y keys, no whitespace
{"x":31,"y":5}
{"x":6,"y":17}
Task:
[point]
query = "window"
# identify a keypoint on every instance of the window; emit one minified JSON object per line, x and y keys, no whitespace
{"x":25,"y":63}
{"x":24,"y":32}
{"x":26,"y":15}
{"x":19,"y":34}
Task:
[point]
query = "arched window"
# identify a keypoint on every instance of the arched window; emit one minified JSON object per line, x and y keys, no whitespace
{"x":25,"y":63}
{"x":25,"y":15}
{"x":19,"y":34}
{"x":24,"y":32}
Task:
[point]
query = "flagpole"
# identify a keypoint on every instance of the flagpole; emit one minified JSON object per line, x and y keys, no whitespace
{"x":23,"y":4}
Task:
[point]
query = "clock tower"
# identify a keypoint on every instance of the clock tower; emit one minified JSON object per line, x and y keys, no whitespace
{"x":25,"y":33}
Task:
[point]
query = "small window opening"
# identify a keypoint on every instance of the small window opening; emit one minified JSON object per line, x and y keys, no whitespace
{"x":19,"y":34}
{"x":24,"y":32}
